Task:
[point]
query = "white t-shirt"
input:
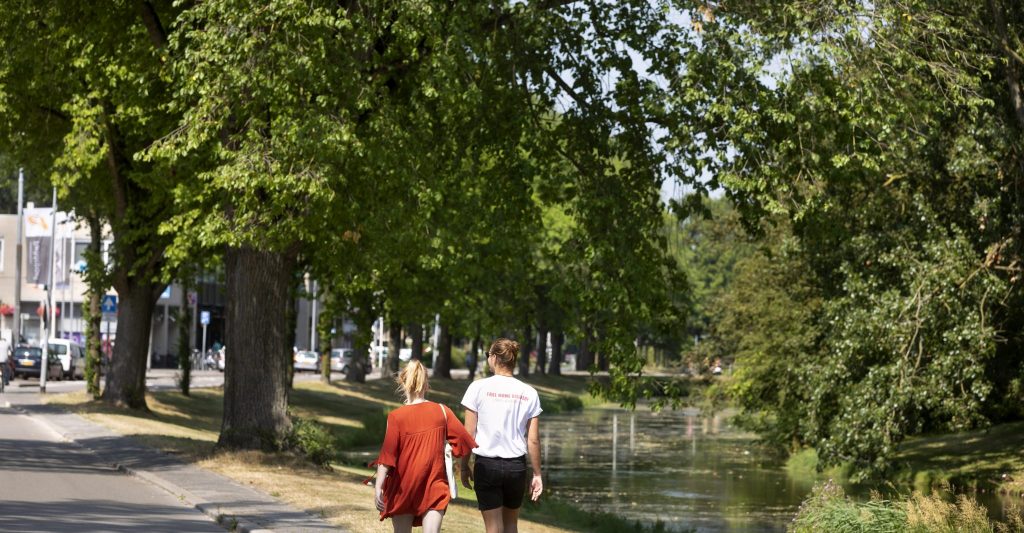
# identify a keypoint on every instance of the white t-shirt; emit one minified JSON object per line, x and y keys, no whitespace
{"x":504,"y":406}
{"x":4,"y":348}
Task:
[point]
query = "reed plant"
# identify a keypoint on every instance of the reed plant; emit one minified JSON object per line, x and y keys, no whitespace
{"x":829,"y":509}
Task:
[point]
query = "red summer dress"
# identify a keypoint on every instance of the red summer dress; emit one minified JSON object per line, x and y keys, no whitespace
{"x":414,"y":449}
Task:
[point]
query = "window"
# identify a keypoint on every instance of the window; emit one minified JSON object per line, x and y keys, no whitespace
{"x":107,"y":245}
{"x":80,"y":249}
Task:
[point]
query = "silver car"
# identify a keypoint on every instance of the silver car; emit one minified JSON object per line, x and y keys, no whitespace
{"x":307,"y":360}
{"x":342,"y":359}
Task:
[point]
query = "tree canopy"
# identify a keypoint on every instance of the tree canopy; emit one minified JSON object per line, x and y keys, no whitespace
{"x":887,"y":136}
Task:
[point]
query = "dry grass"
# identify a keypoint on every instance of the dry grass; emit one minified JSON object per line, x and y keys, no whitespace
{"x":188,"y":427}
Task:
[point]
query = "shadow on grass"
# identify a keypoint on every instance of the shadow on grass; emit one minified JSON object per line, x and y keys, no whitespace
{"x":977,"y":459}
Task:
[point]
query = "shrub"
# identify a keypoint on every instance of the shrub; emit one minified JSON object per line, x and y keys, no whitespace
{"x":561,"y":403}
{"x":313,"y":440}
{"x":828,"y":509}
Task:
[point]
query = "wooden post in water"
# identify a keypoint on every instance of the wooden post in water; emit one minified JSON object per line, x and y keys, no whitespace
{"x":615,"y":443}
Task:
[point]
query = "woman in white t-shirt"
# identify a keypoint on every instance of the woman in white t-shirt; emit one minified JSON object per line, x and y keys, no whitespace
{"x":501,"y":414}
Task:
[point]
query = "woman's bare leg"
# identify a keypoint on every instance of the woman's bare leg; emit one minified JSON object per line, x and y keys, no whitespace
{"x":432,"y":521}
{"x":402,"y":523}
{"x":492,"y":520}
{"x":510,"y":520}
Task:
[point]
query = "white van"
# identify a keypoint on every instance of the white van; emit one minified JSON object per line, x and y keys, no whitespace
{"x":72,"y":357}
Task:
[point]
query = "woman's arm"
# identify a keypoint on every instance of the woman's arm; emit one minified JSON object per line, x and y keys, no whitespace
{"x":378,"y":488}
{"x":465,"y":473}
{"x":460,"y":439}
{"x":533,"y":448}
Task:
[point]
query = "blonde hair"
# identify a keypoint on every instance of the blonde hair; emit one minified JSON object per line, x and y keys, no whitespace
{"x":412,"y":380}
{"x":505,"y":352}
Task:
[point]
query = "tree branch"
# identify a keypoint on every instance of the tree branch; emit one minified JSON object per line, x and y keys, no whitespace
{"x":55,"y":113}
{"x":151,"y":20}
{"x":116,"y":162}
{"x":1012,"y":77}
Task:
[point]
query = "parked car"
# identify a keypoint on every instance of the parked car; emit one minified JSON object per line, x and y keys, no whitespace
{"x":28,"y":362}
{"x":307,"y":360}
{"x":341,"y":358}
{"x":71,"y":355}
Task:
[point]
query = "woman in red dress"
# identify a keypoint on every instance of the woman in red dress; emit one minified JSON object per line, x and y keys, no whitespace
{"x":412,"y":486}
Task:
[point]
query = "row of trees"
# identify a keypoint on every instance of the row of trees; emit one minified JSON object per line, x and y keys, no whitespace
{"x":498,"y":164}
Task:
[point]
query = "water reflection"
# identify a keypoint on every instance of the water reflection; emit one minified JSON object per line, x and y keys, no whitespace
{"x":686,"y":470}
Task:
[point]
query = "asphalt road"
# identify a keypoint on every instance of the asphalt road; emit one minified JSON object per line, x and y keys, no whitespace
{"x":48,"y":484}
{"x":156,"y":379}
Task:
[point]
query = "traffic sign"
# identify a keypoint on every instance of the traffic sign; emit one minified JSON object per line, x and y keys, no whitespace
{"x":109,"y":304}
{"x":204,"y":318}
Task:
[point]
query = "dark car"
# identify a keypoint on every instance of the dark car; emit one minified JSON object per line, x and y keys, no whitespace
{"x":28,"y":361}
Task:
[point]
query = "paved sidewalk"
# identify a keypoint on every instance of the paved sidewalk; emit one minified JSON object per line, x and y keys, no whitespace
{"x":236,"y":507}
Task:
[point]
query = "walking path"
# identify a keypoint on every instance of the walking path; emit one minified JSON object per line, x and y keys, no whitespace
{"x":235,"y":507}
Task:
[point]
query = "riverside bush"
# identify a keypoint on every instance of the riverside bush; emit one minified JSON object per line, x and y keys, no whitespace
{"x":561,"y":403}
{"x":829,"y":509}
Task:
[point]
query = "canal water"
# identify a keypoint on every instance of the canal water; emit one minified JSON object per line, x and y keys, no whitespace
{"x":693,"y":473}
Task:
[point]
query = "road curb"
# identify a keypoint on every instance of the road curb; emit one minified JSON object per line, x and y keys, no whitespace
{"x":232,"y":523}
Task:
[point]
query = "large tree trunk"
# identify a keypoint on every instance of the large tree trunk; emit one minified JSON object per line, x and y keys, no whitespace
{"x":93,"y":317}
{"x":585,"y":358}
{"x":542,"y":349}
{"x":184,"y":315}
{"x":93,"y":345}
{"x":557,"y":340}
{"x":474,"y":360}
{"x":394,"y":345}
{"x":363,"y":318}
{"x":126,"y":380}
{"x":360,"y":352}
{"x":291,"y":312}
{"x":416,"y":335}
{"x":443,"y":357}
{"x":258,"y":354}
{"x":602,"y":355}
{"x":524,"y":352}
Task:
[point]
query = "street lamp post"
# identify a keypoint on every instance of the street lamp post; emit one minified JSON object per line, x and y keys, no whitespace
{"x":16,"y":334}
{"x":49,"y":297}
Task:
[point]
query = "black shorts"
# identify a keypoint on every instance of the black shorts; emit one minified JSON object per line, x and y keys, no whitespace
{"x":499,"y":482}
